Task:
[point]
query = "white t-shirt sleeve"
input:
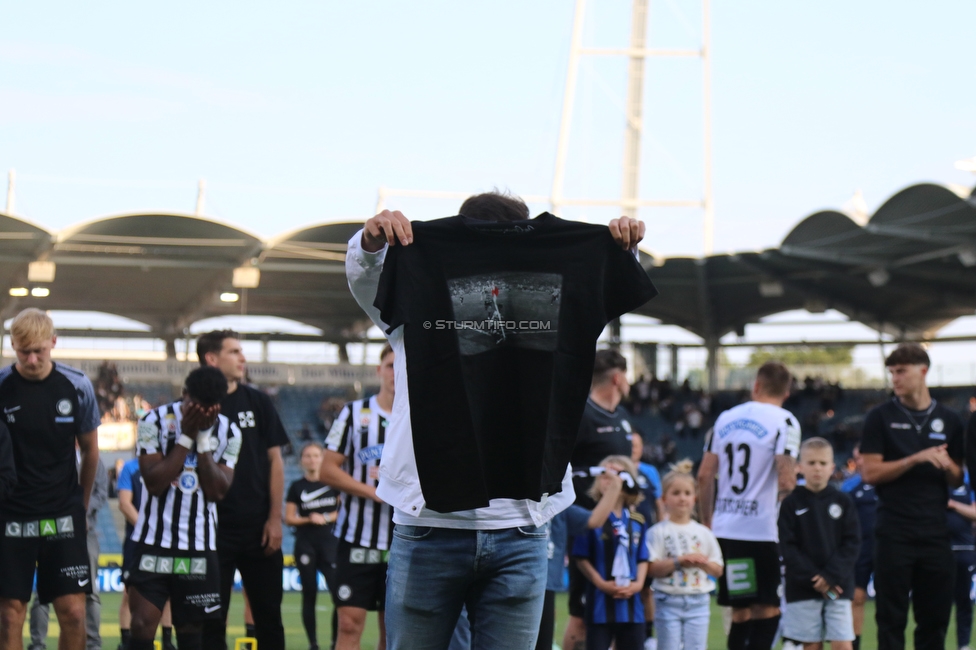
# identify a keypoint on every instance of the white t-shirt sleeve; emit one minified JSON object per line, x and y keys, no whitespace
{"x":788,"y":442}
{"x":655,"y":544}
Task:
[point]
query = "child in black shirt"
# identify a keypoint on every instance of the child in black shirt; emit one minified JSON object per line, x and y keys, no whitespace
{"x":820,"y":539}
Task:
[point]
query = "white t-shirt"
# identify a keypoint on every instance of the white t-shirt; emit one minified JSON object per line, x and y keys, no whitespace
{"x":669,"y":541}
{"x":747,"y":440}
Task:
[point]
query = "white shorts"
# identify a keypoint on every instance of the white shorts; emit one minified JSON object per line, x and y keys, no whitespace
{"x":813,"y":621}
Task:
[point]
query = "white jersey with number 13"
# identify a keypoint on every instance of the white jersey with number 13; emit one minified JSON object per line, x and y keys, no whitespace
{"x":747,"y":440}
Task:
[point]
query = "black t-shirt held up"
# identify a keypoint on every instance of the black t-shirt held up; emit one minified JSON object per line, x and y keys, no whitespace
{"x":914,"y":504}
{"x":500,"y":326}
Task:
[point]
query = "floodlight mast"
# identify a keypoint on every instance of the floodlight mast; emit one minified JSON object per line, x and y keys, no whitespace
{"x":630,"y":202}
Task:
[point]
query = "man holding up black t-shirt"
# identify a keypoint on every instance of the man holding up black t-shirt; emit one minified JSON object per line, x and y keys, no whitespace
{"x":912,"y":452}
{"x":249,"y":535}
{"x":493,"y":318}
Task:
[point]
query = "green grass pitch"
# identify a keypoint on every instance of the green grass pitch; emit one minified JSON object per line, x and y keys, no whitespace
{"x":296,"y":640}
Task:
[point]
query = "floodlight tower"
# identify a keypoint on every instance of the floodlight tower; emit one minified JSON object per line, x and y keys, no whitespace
{"x":630,"y":201}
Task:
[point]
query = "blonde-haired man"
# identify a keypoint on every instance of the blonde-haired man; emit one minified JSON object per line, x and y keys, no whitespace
{"x":46,"y":406}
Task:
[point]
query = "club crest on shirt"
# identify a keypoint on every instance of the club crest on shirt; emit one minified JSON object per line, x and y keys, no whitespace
{"x":937,"y":425}
{"x":835,"y":510}
{"x":65,"y":407}
{"x":170,"y":423}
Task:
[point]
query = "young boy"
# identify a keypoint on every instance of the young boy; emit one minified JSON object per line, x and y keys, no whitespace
{"x":820,"y":539}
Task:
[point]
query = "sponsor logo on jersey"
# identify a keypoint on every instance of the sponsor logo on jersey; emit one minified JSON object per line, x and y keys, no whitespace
{"x":744,"y":424}
{"x":308,"y":496}
{"x":246,"y":419}
{"x":900,"y":425}
{"x":375,"y":452}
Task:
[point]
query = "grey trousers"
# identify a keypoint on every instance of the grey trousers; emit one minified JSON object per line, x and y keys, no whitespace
{"x":40,"y":614}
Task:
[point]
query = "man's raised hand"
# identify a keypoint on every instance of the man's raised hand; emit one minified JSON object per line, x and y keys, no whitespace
{"x":386,"y":228}
{"x":627,"y":232}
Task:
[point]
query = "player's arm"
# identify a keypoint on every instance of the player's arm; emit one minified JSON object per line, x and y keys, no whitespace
{"x":785,"y":475}
{"x":591,"y":574}
{"x":271,"y":538}
{"x":292,"y":518}
{"x":333,"y":475}
{"x":127,"y":508}
{"x":88,"y":445}
{"x":215,"y":476}
{"x":707,"y":472}
{"x":611,"y":486}
{"x":159,"y":472}
{"x":876,"y":470}
{"x":8,"y":471}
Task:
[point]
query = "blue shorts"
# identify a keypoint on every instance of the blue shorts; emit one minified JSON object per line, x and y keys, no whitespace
{"x":813,"y":621}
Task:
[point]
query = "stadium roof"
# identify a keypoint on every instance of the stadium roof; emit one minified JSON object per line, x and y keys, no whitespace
{"x":908,"y":270}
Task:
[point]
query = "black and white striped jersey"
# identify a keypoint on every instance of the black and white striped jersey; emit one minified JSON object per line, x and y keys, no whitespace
{"x":182,"y":518}
{"x":359,"y":434}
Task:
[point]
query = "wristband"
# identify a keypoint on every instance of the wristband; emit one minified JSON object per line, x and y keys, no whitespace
{"x":205,"y":442}
{"x":185,"y":441}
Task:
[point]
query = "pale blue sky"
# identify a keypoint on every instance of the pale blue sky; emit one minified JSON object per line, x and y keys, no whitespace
{"x":298,"y":112}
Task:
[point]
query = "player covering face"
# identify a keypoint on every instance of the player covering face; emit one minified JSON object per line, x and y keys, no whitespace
{"x":187,"y":452}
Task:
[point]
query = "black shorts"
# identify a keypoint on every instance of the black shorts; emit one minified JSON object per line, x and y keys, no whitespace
{"x":752,"y":574}
{"x":57,"y":546}
{"x":577,"y":590}
{"x":129,"y":549}
{"x":189,"y":579}
{"x":360,"y":577}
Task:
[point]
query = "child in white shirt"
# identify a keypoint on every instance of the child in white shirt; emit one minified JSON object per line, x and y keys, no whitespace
{"x":683,"y":555}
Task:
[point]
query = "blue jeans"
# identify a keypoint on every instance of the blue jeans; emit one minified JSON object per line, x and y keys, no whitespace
{"x":499,"y":575}
{"x":681,"y":620}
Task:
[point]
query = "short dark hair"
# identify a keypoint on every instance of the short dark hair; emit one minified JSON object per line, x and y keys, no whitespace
{"x":911,"y":354}
{"x":495,"y":206}
{"x":774,"y":379}
{"x":605,"y":362}
{"x":206,"y":385}
{"x":387,"y":349}
{"x":213,"y":342}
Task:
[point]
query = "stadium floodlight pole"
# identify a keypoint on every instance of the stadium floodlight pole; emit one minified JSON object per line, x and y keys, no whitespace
{"x":706,"y":55}
{"x":638,"y":53}
{"x":566,"y":121}
{"x":11,"y":184}
{"x":635,"y":111}
{"x":201,"y":197}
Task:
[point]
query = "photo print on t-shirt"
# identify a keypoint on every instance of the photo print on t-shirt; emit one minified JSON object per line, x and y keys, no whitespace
{"x":506,"y":309}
